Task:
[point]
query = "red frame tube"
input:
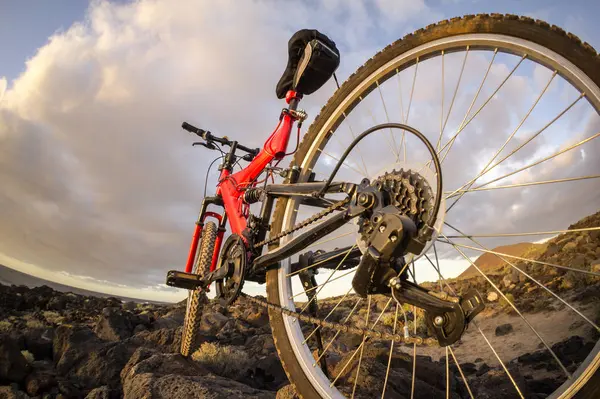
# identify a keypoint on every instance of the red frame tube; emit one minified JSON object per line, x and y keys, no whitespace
{"x":231,"y":187}
{"x":193,"y":247}
{"x":196,"y":238}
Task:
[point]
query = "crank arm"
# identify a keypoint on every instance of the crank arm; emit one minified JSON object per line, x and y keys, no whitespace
{"x":191,"y":281}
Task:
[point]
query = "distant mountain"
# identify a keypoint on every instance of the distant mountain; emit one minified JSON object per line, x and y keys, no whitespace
{"x":10,"y":276}
{"x":489,"y":262}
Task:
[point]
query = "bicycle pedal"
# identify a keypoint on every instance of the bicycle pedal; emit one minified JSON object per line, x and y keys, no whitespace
{"x":188,"y":281}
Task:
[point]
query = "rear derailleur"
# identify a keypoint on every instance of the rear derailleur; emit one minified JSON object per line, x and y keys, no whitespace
{"x":390,"y":235}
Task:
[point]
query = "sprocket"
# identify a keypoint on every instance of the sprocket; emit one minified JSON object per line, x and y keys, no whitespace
{"x":406,"y":190}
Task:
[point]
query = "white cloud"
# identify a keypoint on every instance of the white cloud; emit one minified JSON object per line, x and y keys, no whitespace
{"x":98,"y":179}
{"x":3,"y":85}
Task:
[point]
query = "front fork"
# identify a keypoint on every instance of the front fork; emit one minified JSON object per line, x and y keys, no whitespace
{"x":222,"y":219}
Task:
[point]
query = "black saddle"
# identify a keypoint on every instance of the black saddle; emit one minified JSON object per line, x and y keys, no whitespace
{"x":313,"y":58}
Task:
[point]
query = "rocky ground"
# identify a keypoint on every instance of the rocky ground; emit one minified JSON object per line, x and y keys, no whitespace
{"x":57,"y":345}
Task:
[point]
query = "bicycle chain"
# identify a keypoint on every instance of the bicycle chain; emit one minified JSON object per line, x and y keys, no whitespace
{"x":304,"y":223}
{"x":377,"y":335}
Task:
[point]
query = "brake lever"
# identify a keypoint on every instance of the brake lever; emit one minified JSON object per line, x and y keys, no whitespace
{"x":208,"y":145}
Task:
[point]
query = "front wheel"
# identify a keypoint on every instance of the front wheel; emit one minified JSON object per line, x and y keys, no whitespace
{"x":193,"y":311}
{"x":483,"y":101}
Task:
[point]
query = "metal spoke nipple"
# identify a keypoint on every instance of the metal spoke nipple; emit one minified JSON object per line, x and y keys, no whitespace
{"x":394,"y":282}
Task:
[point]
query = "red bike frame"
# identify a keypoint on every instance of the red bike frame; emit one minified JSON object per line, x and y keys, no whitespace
{"x":231,"y":187}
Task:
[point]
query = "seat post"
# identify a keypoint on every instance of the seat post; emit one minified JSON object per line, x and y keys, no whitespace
{"x":293,"y":99}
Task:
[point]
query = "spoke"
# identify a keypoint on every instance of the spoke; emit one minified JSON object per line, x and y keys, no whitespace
{"x":414,"y":365}
{"x":337,"y":333}
{"x":474,"y":98}
{"x":328,"y":314}
{"x":524,"y":259}
{"x":364,"y":168}
{"x":354,"y":138}
{"x":437,"y":145}
{"x":466,"y":122}
{"x":400,"y":95}
{"x":480,"y":331}
{"x":362,"y":349}
{"x":396,"y":154}
{"x":447,"y":364}
{"x":401,"y":109}
{"x":460,"y":371}
{"x":557,"y":117}
{"x":387,"y":371}
{"x":463,"y":126}
{"x":500,"y":360}
{"x":541,"y":160}
{"x":343,"y":163}
{"x":462,"y":69}
{"x":536,"y":233}
{"x":514,"y":308}
{"x":470,"y":107}
{"x":452,"y":194}
{"x":412,"y":90}
{"x":387,"y":117}
{"x":345,"y":254}
{"x":532,"y":279}
{"x":320,"y":286}
{"x":361,"y":344}
{"x":487,"y":167}
{"x":330,"y":239}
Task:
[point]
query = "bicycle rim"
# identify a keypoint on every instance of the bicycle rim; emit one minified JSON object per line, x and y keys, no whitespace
{"x":479,"y":41}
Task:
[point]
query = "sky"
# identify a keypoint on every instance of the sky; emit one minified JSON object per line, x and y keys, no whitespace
{"x":101,"y":187}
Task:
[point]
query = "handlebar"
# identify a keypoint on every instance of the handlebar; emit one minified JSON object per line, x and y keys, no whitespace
{"x":208,"y":136}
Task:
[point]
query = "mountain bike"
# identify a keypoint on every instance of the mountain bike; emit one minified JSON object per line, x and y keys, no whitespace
{"x":345,"y":214}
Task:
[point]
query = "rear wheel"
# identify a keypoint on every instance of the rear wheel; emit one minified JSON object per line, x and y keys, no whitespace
{"x":193,"y":311}
{"x":500,"y":45}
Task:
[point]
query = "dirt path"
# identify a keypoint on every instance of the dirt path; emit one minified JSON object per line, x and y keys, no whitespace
{"x":552,"y":326}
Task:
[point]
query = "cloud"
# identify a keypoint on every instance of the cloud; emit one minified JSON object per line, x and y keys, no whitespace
{"x":3,"y":85}
{"x":99,"y":183}
{"x":97,"y":178}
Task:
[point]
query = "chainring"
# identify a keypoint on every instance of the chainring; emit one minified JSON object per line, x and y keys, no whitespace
{"x":234,"y":257}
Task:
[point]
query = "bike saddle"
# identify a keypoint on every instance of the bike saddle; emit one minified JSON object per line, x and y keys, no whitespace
{"x":313,"y":58}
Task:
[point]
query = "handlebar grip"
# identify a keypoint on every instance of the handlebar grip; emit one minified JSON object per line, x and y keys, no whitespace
{"x":192,"y":129}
